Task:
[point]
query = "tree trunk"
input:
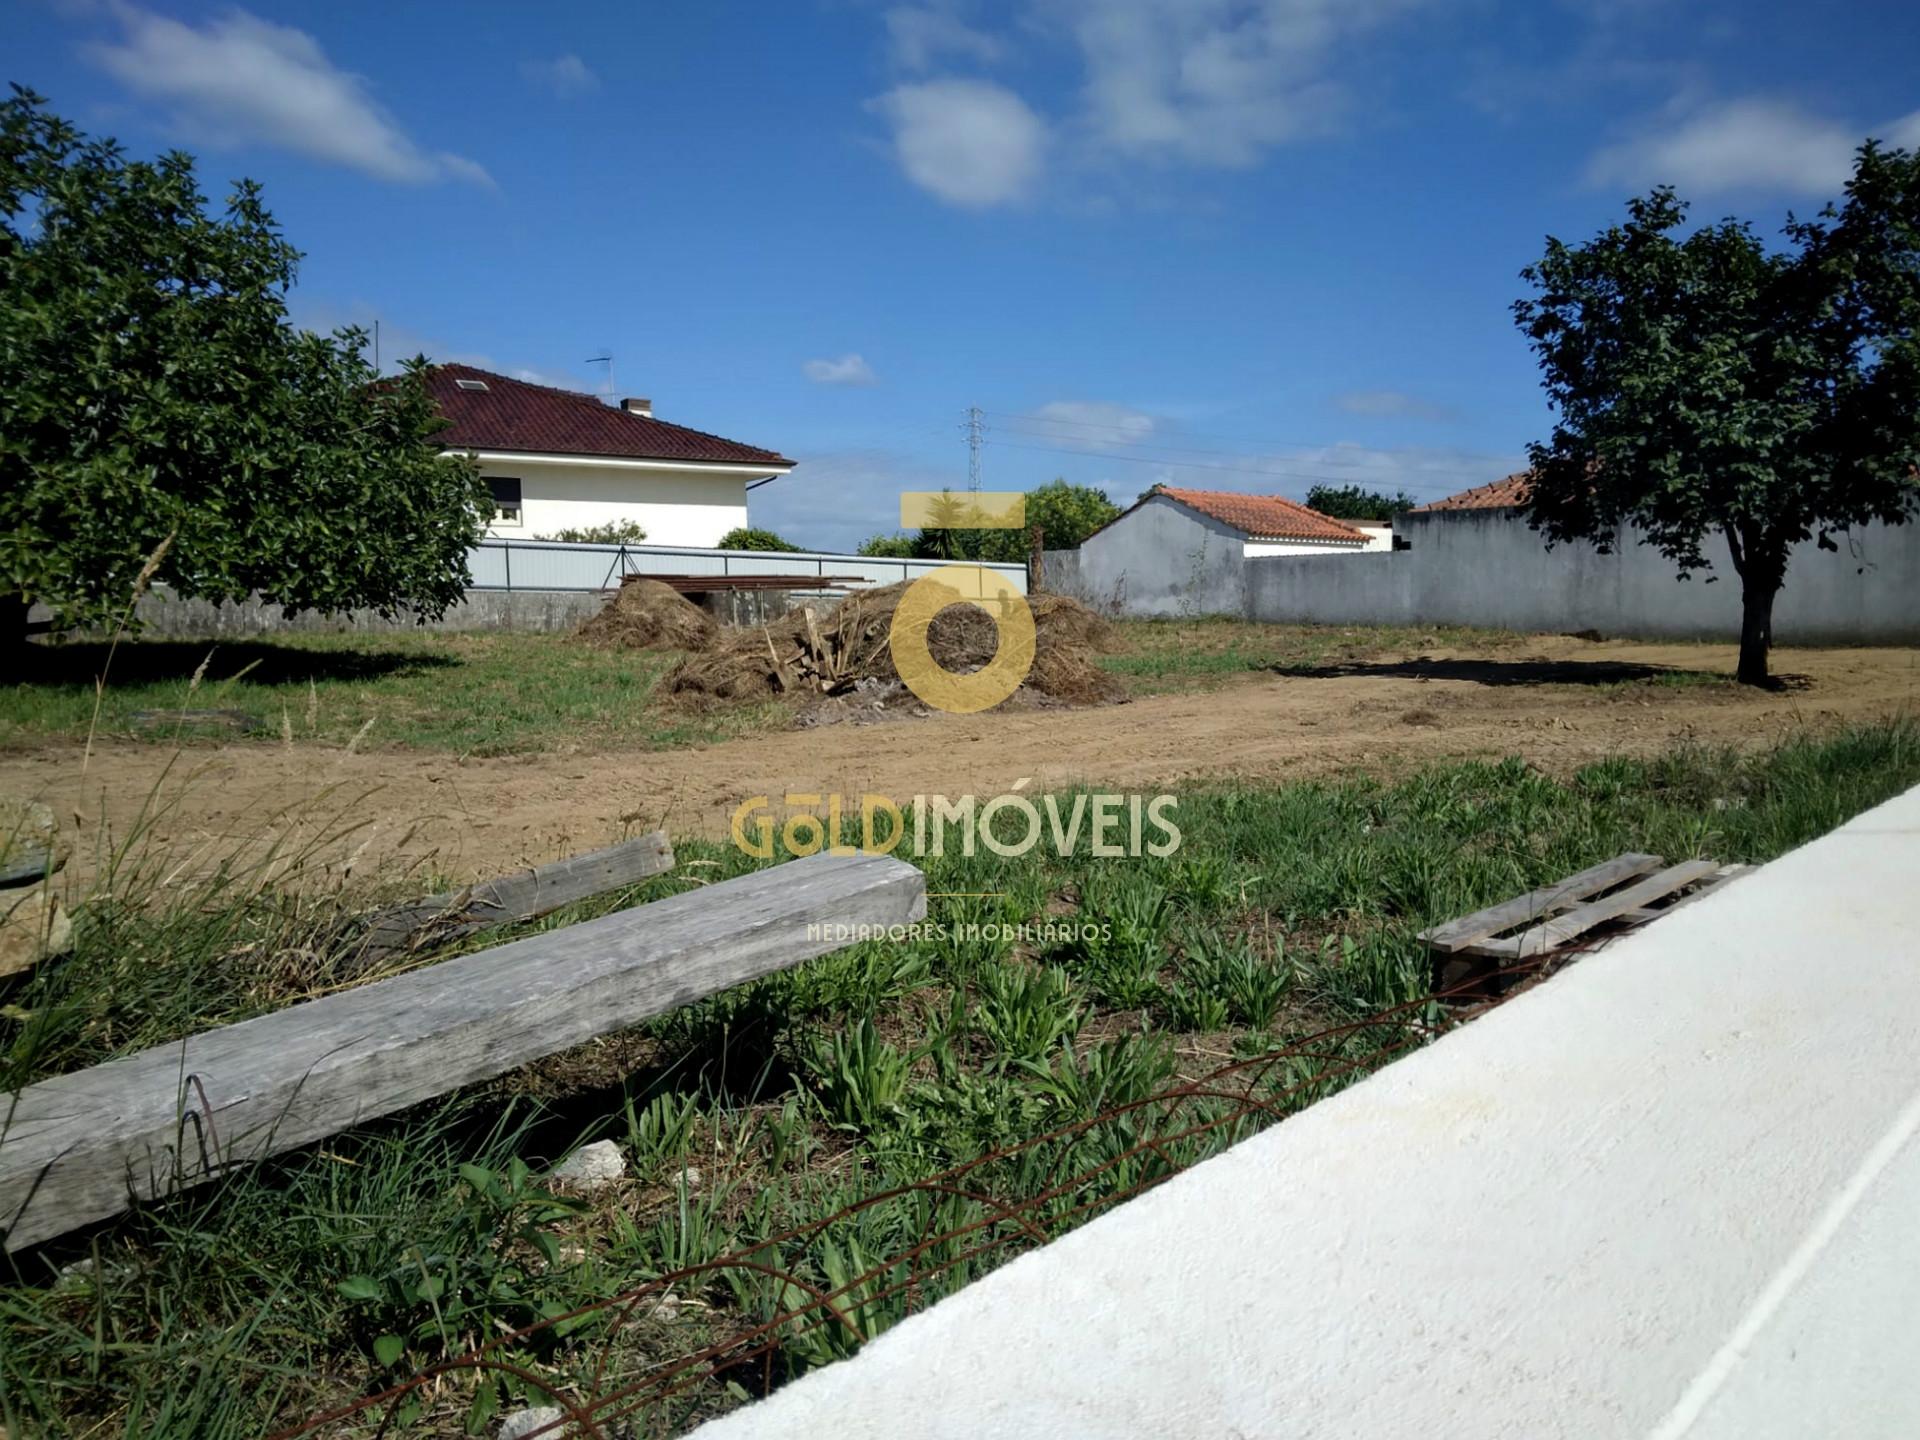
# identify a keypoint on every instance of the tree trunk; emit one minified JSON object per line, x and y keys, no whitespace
{"x":13,"y":624}
{"x":1756,"y":626}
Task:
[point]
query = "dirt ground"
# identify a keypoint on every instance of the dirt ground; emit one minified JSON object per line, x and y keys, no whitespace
{"x":1559,"y":702}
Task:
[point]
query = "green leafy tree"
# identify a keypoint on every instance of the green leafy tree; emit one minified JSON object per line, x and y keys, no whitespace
{"x":889,"y":547}
{"x":1351,"y":502}
{"x":743,"y":537}
{"x":1066,"y":515}
{"x":1708,"y":386}
{"x":612,"y":532}
{"x":151,"y":386}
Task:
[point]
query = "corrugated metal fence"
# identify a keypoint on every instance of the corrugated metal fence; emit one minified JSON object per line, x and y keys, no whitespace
{"x":556,"y":565}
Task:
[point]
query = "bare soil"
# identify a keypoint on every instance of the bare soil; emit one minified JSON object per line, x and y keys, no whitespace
{"x":1558,"y":702}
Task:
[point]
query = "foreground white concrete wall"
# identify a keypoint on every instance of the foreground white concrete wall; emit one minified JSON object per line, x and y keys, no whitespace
{"x":1669,"y":1193}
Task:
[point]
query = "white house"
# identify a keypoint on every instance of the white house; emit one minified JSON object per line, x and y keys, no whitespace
{"x":559,"y":460}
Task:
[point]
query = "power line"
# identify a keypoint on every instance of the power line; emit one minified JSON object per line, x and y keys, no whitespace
{"x":1169,"y":454}
{"x":1122,"y":430}
{"x":1350,"y":477}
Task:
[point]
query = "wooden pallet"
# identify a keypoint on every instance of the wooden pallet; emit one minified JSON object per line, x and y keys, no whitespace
{"x":1482,"y":953}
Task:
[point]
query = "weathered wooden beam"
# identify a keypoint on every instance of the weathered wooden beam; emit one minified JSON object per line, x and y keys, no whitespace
{"x":81,"y":1147}
{"x":524,"y":896}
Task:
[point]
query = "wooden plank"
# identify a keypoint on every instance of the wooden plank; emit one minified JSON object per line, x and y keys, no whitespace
{"x":1713,"y":882}
{"x":76,"y":1146}
{"x":1530,"y":907}
{"x":714,"y":584}
{"x":1562,"y":928}
{"x":522,"y":896}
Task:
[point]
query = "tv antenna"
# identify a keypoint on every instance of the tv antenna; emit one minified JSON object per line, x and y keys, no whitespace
{"x":606,"y":360}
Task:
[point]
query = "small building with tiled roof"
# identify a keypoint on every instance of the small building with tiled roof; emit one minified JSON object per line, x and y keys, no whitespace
{"x":558,"y":460}
{"x":1497,"y":495}
{"x":1179,"y":551}
{"x":1272,"y":524}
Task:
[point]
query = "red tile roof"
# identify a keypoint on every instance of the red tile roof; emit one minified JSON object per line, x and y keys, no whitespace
{"x":1265,"y":517}
{"x":1495,"y":496}
{"x":514,"y":415}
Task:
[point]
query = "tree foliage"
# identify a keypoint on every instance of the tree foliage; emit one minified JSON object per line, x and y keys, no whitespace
{"x":1066,"y":515}
{"x":1707,"y":386}
{"x":610,"y":532}
{"x":745,"y":537}
{"x":889,"y":547}
{"x":1351,"y":502}
{"x":151,"y":385}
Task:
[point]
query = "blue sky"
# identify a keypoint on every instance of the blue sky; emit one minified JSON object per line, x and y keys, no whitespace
{"x":1234,"y":244}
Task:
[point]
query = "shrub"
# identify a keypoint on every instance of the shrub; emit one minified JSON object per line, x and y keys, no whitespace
{"x":745,"y":537}
{"x":613,"y":532}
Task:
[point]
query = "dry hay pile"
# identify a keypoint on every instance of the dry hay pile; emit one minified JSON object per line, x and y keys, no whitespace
{"x":647,"y":615}
{"x":847,"y":647}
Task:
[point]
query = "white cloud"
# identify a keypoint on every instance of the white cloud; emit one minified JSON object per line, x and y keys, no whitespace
{"x":969,"y":142}
{"x":849,"y":369}
{"x":1424,"y":472}
{"x":1392,"y":405}
{"x":1210,"y":83}
{"x":1213,"y":82}
{"x":567,"y":76}
{"x":1747,"y":143}
{"x":242,"y":80}
{"x":917,"y":36}
{"x":1091,"y":424}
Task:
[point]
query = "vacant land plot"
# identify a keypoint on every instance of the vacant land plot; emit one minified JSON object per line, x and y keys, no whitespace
{"x":754,"y":1119}
{"x":457,"y":694}
{"x":587,"y":753}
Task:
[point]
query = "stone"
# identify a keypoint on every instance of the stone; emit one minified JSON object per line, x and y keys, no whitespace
{"x":33,"y":926}
{"x":592,"y":1167}
{"x":30,"y":845}
{"x":523,"y":1423}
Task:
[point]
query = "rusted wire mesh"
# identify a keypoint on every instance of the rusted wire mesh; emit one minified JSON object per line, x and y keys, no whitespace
{"x":817,"y":1292}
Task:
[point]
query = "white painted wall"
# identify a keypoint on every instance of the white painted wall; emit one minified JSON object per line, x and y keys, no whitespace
{"x":1668,"y":1193}
{"x":1303,"y":547}
{"x":1163,"y":559}
{"x":691,"y":505}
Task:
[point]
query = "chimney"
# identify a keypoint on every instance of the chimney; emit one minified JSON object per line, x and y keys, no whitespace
{"x":634,"y":406}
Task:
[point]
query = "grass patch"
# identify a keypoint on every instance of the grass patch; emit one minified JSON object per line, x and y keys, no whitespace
{"x":334,"y":1270}
{"x":1162,"y":656}
{"x":490,"y":694}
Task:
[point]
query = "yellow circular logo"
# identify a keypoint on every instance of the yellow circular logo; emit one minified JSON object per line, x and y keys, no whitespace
{"x":1012,"y":621}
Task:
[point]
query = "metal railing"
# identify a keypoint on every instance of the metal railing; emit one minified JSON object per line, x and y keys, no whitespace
{"x":501,"y":564}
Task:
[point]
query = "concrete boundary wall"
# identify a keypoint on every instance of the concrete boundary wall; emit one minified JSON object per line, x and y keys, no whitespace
{"x":1488,"y":568}
{"x":1670,"y":1192}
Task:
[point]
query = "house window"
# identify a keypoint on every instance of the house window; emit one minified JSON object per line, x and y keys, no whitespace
{"x":506,"y":499}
